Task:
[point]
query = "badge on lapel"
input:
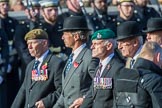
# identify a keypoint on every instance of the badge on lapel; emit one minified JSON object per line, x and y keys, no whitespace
{"x":108,"y":67}
{"x":42,"y":75}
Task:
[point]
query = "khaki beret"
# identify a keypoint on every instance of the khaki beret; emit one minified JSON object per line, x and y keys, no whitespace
{"x":36,"y":34}
{"x":103,"y":34}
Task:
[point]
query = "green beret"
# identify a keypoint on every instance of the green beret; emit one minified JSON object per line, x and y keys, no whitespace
{"x":4,"y":0}
{"x":36,"y":34}
{"x":103,"y":34}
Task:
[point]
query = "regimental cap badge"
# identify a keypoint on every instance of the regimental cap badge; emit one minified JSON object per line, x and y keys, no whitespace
{"x":103,"y":34}
{"x":99,"y":36}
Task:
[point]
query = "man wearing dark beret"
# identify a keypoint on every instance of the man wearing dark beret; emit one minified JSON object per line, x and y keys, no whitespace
{"x":100,"y":94}
{"x":154,"y":30}
{"x":42,"y":84}
{"x":129,"y":40}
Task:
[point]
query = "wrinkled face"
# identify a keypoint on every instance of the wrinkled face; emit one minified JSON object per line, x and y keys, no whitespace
{"x":51,"y":13}
{"x":36,"y":47}
{"x":127,"y":47}
{"x":155,"y":37}
{"x":100,"y":5}
{"x":68,"y":39}
{"x":73,"y":5}
{"x":99,"y":49}
{"x":141,"y":2}
{"x":4,"y":8}
{"x":126,"y":9}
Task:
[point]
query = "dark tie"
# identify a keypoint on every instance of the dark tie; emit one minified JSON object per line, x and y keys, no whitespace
{"x":98,"y":74}
{"x":69,"y":63}
{"x":132,"y":63}
{"x":36,"y":63}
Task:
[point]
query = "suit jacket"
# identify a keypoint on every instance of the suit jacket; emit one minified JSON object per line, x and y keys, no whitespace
{"x":78,"y":79}
{"x":48,"y":91}
{"x":103,"y":98}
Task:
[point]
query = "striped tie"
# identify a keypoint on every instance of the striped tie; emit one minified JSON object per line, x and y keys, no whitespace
{"x":36,"y":63}
{"x":98,"y":74}
{"x":132,"y":63}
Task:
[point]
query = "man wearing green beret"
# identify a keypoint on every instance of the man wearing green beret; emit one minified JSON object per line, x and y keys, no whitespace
{"x":101,"y":93}
{"x":42,"y":84}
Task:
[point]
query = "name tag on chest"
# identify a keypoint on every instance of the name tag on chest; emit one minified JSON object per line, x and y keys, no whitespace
{"x":102,"y":83}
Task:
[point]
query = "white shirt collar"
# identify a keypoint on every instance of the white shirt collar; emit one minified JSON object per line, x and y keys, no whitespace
{"x":106,"y":61}
{"x":42,"y":58}
{"x":137,"y":53}
{"x":78,"y":50}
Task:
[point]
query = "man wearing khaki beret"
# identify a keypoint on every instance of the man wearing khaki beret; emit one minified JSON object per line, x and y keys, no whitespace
{"x":42,"y":83}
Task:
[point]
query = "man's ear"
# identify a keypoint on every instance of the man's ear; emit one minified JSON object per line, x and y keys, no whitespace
{"x":158,"y":57}
{"x":109,"y":46}
{"x":92,"y":4}
{"x":76,"y":37}
{"x":118,"y":7}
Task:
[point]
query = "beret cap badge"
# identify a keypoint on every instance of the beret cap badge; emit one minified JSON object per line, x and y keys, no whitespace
{"x":99,"y":35}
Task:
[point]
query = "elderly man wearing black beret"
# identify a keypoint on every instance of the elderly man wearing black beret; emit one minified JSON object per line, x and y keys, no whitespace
{"x":42,"y":84}
{"x":130,"y":41}
{"x":154,"y":30}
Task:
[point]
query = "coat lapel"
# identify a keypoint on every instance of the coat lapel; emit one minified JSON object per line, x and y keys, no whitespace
{"x":73,"y":69}
{"x":106,"y":72}
{"x":107,"y":69}
{"x":46,"y":60}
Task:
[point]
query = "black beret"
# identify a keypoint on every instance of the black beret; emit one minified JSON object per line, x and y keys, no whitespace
{"x":36,"y":34}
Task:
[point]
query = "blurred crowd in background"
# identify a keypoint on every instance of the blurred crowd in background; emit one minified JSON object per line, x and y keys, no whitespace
{"x":17,"y":5}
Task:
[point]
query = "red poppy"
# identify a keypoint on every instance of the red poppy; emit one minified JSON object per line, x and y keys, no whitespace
{"x":76,"y":64}
{"x":44,"y":66}
{"x":34,"y":72}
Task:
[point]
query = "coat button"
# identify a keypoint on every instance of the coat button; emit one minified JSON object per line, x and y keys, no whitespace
{"x":132,"y":106}
{"x":72,"y":86}
{"x":30,"y":90}
{"x":117,"y":98}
